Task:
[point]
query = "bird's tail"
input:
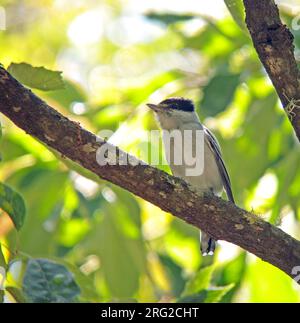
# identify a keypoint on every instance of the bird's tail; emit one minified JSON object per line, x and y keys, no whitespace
{"x":207,"y":244}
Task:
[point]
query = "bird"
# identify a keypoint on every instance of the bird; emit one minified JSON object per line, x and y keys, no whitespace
{"x":178,"y":114}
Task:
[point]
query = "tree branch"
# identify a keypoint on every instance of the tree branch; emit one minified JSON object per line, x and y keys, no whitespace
{"x":222,"y":220}
{"x":273,"y":42}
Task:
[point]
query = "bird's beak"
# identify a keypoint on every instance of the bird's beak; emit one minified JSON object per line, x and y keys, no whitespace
{"x":153,"y":107}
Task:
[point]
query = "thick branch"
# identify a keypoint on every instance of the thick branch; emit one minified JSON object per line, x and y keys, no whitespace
{"x":274,"y":44}
{"x":223,"y":220}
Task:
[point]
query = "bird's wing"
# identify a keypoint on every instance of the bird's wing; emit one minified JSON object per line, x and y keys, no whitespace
{"x":215,"y":148}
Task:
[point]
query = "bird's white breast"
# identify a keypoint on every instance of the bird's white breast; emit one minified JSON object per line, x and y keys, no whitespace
{"x":209,"y":180}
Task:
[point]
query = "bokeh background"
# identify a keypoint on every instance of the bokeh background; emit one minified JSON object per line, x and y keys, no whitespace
{"x":115,"y":57}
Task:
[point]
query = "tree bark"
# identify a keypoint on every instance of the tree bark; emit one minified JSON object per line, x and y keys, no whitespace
{"x":273,"y":42}
{"x":221,"y":219}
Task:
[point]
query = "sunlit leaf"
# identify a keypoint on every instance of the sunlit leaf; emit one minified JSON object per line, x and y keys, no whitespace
{"x":2,"y":259}
{"x":268,"y":284}
{"x":115,"y":245}
{"x":199,"y":282}
{"x":218,"y":93}
{"x":13,"y":204}
{"x":16,"y":293}
{"x":237,"y":10}
{"x":214,"y":295}
{"x":48,"y":282}
{"x":216,"y":43}
{"x":36,"y":77}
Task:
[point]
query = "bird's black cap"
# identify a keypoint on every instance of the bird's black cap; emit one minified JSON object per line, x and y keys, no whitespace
{"x":179,"y":104}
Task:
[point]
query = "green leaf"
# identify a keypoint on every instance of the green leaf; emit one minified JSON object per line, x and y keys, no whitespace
{"x":120,"y":246}
{"x":252,"y":143}
{"x":3,"y":268}
{"x":215,"y":294}
{"x":0,"y":138}
{"x":195,"y":298}
{"x":37,"y":77}
{"x":218,"y":93}
{"x":48,"y":282}
{"x":167,"y":18}
{"x":199,"y":282}
{"x":111,"y":244}
{"x":2,"y":259}
{"x":266,"y":284}
{"x":85,"y":283}
{"x":174,"y":273}
{"x":13,"y":204}
{"x":237,"y":11}
{"x":16,"y":293}
{"x":231,"y":272}
{"x":40,"y":204}
{"x":287,"y":174}
{"x":210,"y":295}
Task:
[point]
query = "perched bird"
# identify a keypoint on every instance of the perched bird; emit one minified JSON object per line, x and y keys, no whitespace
{"x":179,"y":114}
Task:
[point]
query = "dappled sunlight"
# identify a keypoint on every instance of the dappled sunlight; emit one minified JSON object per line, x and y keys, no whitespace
{"x":115,"y":57}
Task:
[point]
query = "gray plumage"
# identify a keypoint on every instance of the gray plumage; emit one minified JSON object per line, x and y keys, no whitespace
{"x":215,"y":147}
{"x":178,"y":114}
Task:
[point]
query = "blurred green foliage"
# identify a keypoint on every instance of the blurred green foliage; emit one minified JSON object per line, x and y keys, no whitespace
{"x":112,"y":246}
